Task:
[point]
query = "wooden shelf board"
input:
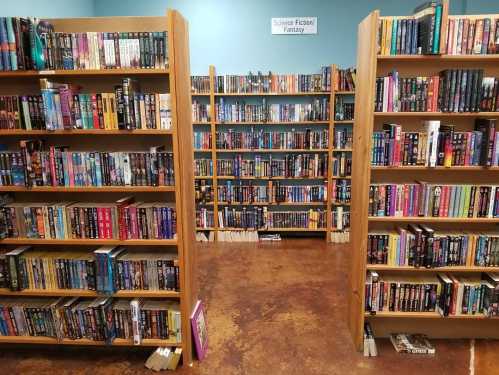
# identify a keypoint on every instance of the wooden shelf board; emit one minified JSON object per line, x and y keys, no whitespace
{"x":342,"y":178}
{"x":86,"y":241}
{"x":90,"y":293}
{"x":202,"y":150}
{"x":270,"y":150}
{"x":210,"y":229}
{"x":340,"y":204}
{"x":344,"y":92}
{"x":293,"y":123}
{"x":203,"y":177}
{"x":201,"y":123}
{"x":273,"y":93}
{"x":85,"y":132}
{"x":87,"y":342}
{"x":344,"y":121}
{"x":424,"y":315}
{"x":469,"y":168}
{"x":83,"y":73}
{"x":89,"y":189}
{"x":384,"y":267}
{"x":436,"y":58}
{"x":342,"y":150}
{"x":436,"y":114}
{"x":200,"y":94}
{"x":433,"y":219}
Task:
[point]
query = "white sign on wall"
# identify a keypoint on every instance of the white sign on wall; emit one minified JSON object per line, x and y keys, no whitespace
{"x":294,"y":25}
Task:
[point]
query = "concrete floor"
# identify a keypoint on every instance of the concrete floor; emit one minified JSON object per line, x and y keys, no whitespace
{"x":272,"y":309}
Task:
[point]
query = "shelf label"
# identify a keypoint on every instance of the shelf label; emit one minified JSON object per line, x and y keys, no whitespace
{"x":46,"y":72}
{"x":294,"y":25}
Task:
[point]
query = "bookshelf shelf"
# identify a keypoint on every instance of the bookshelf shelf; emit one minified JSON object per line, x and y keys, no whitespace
{"x":342,"y":150}
{"x":274,"y":93}
{"x":384,"y":267}
{"x":84,"y":73}
{"x":370,"y":66}
{"x":84,"y":132}
{"x":89,"y":189}
{"x":344,"y":92}
{"x":341,"y":178}
{"x":482,"y":220}
{"x":40,"y":340}
{"x":344,"y":121}
{"x":173,"y":80}
{"x":90,"y":293}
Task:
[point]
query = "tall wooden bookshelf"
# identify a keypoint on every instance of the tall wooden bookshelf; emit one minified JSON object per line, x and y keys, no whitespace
{"x":369,"y":66}
{"x":331,"y":124}
{"x":175,"y":80}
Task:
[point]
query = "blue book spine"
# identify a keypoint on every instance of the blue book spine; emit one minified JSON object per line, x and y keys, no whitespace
{"x":98,"y":171}
{"x":11,"y":39}
{"x":4,"y":44}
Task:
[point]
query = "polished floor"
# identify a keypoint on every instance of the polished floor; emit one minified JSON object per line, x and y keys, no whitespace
{"x":275,"y":308}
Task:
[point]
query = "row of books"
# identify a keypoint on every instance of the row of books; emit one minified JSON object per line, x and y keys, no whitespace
{"x":102,"y":319}
{"x":467,"y":36}
{"x":124,"y":219}
{"x":200,"y":84}
{"x":423,"y":246}
{"x":203,"y":167}
{"x":205,"y":218}
{"x":340,"y":218}
{"x":274,"y":83}
{"x":343,"y":138}
{"x":202,"y":140}
{"x":343,"y":111}
{"x":446,"y":294}
{"x":341,"y":191}
{"x":345,"y":79}
{"x":106,"y":269}
{"x":274,"y":192}
{"x":263,"y":218}
{"x":260,"y":139}
{"x":239,"y":111}
{"x":416,"y":34}
{"x":434,"y":200}
{"x":438,"y":145}
{"x":61,"y":167}
{"x":33,"y":44}
{"x":453,"y":90}
{"x":201,"y":112}
{"x":342,"y":164}
{"x":203,"y":191}
{"x":300,"y":165}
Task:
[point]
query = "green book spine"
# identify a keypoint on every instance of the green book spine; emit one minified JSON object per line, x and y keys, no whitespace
{"x":464,"y":213}
{"x":393,"y":48}
{"x":436,"y":34}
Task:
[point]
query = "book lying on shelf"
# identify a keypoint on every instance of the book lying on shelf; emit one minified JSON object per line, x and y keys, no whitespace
{"x":273,"y":140}
{"x":38,"y":165}
{"x":270,"y":237}
{"x":345,"y":79}
{"x":124,"y":219}
{"x":418,"y":34}
{"x":106,"y":269}
{"x":239,"y":111}
{"x":33,"y":44}
{"x":411,"y":343}
{"x":290,"y":166}
{"x":201,"y":112}
{"x":452,"y":90}
{"x":200,"y":84}
{"x":437,"y":145}
{"x":102,"y":319}
{"x":472,"y":36}
{"x":237,"y":236}
{"x":199,"y":330}
{"x":274,"y":83}
{"x":164,"y":359}
{"x":434,"y":200}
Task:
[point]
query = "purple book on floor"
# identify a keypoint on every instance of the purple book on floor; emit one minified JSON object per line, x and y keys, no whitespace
{"x":199,"y":331}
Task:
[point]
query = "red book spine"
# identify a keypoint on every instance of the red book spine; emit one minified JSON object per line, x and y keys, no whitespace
{"x":406,"y":200}
{"x":443,"y":199}
{"x":95,"y":112}
{"x":121,"y":222}
{"x":69,"y":159}
{"x":446,"y":202}
{"x":133,"y":223}
{"x":53,"y":175}
{"x":436,"y":84}
{"x":108,"y":225}
{"x":100,"y":222}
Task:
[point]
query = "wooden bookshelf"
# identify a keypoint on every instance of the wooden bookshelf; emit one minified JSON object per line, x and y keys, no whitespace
{"x":174,"y":80}
{"x":369,"y":66}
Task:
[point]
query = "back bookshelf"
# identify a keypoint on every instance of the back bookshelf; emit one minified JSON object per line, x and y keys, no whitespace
{"x":205,"y":102}
{"x":371,"y":65}
{"x":173,"y":79}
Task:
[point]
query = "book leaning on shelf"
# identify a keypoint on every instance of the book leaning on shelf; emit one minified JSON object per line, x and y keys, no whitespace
{"x":453,"y":90}
{"x":124,"y":219}
{"x":445,"y":294}
{"x":36,"y":165}
{"x":434,"y":200}
{"x":106,"y":270}
{"x":200,"y":84}
{"x":422,"y":246}
{"x":345,"y":79}
{"x":274,"y":83}
{"x":32,"y":44}
{"x":102,"y":319}
{"x":470,"y":36}
{"x":437,"y":145}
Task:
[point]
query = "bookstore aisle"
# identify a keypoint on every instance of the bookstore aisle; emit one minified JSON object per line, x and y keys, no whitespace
{"x":267,"y":316}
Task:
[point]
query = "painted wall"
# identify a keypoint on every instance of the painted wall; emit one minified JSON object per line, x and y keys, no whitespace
{"x":234,"y":35}
{"x":48,"y":8}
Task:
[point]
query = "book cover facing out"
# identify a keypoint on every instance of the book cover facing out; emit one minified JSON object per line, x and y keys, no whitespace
{"x":199,"y":331}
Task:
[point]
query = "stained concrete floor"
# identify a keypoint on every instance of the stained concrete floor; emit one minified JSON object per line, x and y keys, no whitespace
{"x":276,"y":308}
